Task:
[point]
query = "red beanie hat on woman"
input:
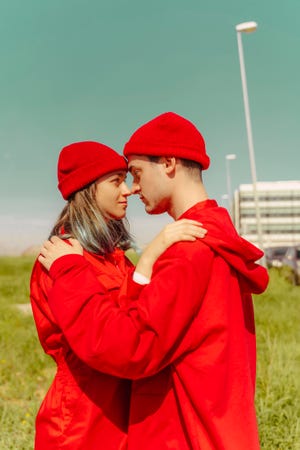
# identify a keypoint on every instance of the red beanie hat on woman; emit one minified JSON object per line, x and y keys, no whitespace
{"x":169,"y":135}
{"x":81,"y":163}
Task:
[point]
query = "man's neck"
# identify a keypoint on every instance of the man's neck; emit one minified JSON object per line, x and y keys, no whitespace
{"x":185,"y":197}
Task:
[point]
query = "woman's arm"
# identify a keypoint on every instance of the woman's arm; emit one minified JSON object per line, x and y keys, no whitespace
{"x":181,"y":230}
{"x":142,"y":338}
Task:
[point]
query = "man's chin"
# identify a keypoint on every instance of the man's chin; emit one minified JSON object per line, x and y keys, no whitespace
{"x":152,"y":211}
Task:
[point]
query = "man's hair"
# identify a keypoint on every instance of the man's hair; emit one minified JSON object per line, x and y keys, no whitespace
{"x":193,"y":167}
{"x":82,"y":219}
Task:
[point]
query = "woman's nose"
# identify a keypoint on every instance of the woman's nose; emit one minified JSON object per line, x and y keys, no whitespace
{"x":125,"y":190}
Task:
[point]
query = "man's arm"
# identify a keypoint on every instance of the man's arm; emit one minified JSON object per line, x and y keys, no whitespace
{"x":141,"y":339}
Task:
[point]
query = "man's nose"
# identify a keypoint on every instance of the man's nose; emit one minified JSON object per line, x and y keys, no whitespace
{"x":135,"y":188}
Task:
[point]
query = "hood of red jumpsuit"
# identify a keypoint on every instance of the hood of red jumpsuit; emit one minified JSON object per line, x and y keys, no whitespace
{"x":224,"y":240}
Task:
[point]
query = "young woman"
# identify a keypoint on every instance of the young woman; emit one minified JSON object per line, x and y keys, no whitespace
{"x":84,"y":408}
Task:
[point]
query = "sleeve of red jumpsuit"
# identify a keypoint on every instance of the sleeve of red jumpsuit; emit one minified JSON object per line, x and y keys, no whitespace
{"x":138,"y":340}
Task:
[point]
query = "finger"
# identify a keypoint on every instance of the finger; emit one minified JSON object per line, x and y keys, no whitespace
{"x":190,"y":221}
{"x":198,"y":230}
{"x":40,"y":258}
{"x":186,"y":237}
{"x":201,"y":231}
{"x":195,"y":222}
{"x":43,"y":251}
{"x":74,"y":242}
{"x":76,"y":245}
{"x":45,"y":263}
{"x":190,"y":228}
{"x":192,"y":231}
{"x":47,"y":244}
{"x":199,"y":234}
{"x":57,"y":240}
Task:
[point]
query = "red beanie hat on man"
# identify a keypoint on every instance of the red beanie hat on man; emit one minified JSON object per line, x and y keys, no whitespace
{"x":169,"y":135}
{"x":81,"y":163}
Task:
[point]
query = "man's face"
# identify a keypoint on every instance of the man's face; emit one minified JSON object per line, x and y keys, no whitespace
{"x":150,"y":183}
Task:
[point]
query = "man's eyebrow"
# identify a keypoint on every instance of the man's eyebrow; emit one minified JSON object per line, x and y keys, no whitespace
{"x":130,"y":169}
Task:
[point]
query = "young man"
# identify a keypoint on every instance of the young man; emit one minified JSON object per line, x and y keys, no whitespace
{"x":187,"y":338}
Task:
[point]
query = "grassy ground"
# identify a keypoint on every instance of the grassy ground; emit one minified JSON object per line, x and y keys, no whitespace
{"x":25,"y":372}
{"x":278,"y":371}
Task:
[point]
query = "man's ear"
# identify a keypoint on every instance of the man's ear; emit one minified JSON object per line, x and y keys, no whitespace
{"x":169,"y":164}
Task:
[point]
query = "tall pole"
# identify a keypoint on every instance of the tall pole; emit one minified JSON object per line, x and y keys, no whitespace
{"x":229,"y":158}
{"x":249,"y":27}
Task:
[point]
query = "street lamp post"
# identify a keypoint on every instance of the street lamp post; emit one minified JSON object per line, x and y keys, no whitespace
{"x":249,"y":27}
{"x":229,"y":158}
{"x":224,"y":198}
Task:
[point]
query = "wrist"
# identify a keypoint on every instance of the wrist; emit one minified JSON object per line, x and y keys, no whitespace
{"x":145,"y":264}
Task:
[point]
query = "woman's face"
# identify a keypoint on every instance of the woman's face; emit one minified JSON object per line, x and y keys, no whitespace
{"x":111,"y":194}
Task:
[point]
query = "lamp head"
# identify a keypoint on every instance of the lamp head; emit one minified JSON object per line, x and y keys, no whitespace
{"x":231,"y":156}
{"x":246,"y":27}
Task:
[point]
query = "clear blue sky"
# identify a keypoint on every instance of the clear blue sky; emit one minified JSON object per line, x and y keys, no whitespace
{"x":96,"y":69}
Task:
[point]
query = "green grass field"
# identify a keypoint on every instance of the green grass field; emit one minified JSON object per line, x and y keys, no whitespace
{"x":25,"y":372}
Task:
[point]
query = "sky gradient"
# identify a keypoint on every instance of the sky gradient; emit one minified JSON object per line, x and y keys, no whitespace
{"x":95,"y":70}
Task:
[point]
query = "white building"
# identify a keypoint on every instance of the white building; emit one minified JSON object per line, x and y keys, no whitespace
{"x":279,"y":206}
